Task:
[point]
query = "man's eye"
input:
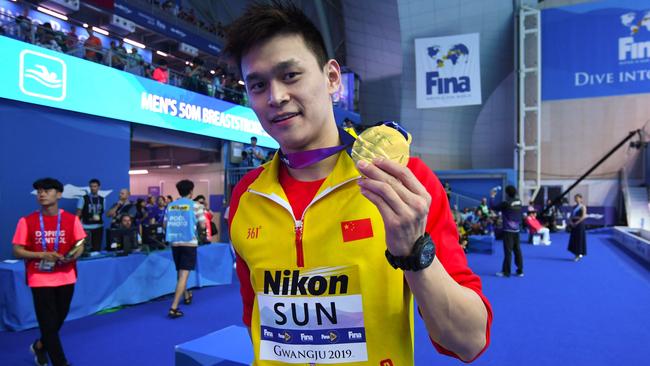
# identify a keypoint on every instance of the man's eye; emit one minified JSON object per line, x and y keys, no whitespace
{"x":257,"y":86}
{"x":290,"y":75}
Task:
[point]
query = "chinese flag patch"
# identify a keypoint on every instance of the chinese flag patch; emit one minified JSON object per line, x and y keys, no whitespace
{"x":356,"y":230}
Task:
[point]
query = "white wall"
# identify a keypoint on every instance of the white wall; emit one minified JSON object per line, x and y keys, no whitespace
{"x":207,"y":180}
{"x":468,"y":137}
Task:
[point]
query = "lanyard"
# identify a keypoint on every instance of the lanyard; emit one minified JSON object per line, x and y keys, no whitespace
{"x":303,"y":159}
{"x":58,"y":232}
{"x":92,"y":206}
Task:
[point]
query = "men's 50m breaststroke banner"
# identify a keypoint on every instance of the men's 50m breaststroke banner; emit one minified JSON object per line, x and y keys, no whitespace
{"x":40,"y":76}
{"x":596,"y":49}
{"x":448,"y":71}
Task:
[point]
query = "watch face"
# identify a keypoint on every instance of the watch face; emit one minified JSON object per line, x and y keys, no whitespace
{"x":427,"y":254}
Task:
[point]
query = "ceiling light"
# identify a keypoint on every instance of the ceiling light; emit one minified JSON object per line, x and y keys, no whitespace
{"x":134,"y":43}
{"x":161,"y":53}
{"x":52,"y":13}
{"x":99,"y":30}
{"x":138,"y":172}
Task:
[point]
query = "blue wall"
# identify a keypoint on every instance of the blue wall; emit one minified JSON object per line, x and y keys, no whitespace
{"x":476,"y":184}
{"x":39,"y":141}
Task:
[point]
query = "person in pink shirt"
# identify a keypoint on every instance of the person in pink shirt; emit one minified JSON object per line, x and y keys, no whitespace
{"x":45,"y":239}
{"x":161,"y":74}
{"x":537,"y":228}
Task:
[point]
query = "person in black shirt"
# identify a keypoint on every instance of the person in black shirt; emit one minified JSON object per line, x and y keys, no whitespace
{"x":90,"y":209}
{"x":510,"y":209}
{"x":123,"y":207}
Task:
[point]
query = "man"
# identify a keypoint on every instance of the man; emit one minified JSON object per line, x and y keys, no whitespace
{"x":536,"y":227}
{"x":161,"y":74}
{"x":93,"y":46}
{"x":43,"y":239}
{"x":71,"y":40}
{"x":312,"y":238}
{"x":156,"y":213}
{"x":182,"y":219}
{"x":255,"y":153}
{"x":550,"y":211}
{"x":122,"y":207}
{"x":134,"y":62}
{"x":485,"y":210}
{"x":90,"y":208}
{"x":511,"y":212}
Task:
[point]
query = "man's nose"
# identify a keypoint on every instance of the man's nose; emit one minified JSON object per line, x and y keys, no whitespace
{"x":278,"y":94}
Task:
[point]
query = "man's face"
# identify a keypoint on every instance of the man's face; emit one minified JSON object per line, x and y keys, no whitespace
{"x":47,"y":197}
{"x":124,"y":195}
{"x":253,"y":142}
{"x":94,"y":188}
{"x":126,"y":222}
{"x":290,"y":92}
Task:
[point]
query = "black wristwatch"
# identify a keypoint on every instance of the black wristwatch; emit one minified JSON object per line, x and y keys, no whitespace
{"x":424,"y":251}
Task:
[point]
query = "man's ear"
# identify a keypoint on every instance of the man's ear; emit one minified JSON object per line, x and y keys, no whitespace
{"x":332,"y":70}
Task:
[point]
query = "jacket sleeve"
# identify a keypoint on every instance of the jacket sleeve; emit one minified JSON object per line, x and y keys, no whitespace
{"x":441,"y":227}
{"x":243,"y":272}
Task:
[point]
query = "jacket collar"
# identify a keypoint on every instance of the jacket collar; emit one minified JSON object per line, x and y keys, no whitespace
{"x":268,"y":181}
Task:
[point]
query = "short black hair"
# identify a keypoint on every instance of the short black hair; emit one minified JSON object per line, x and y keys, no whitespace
{"x":94,"y":180}
{"x":511,"y":191}
{"x":184,"y":187}
{"x":262,"y":21}
{"x":48,"y":183}
{"x":253,"y":138}
{"x":199,"y":197}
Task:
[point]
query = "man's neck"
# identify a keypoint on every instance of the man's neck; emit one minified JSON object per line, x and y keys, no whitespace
{"x":51,"y":210}
{"x":324,"y":167}
{"x":316,"y":171}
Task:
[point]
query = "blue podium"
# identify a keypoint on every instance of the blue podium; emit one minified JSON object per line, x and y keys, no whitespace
{"x":112,"y":281}
{"x":229,"y":346}
{"x":481,"y":244}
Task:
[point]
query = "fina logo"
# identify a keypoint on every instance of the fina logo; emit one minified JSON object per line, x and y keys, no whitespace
{"x":628,"y":49}
{"x":42,"y":76}
{"x":455,"y":57}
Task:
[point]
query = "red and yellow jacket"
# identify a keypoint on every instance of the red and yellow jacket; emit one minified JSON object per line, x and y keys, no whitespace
{"x":318,"y":289}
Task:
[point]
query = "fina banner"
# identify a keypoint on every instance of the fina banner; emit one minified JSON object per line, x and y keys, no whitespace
{"x":448,"y":71}
{"x":37,"y":75}
{"x":596,"y":49}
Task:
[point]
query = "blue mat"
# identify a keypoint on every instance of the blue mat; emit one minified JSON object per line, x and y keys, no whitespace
{"x":590,"y":313}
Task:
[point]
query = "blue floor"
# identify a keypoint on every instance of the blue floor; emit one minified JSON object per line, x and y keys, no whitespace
{"x":594,"y":312}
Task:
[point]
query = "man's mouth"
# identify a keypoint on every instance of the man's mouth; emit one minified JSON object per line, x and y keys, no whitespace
{"x":284,"y":117}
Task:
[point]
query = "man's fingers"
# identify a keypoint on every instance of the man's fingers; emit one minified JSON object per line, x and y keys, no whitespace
{"x":402,"y":174}
{"x":387,"y":194}
{"x":384,"y":208}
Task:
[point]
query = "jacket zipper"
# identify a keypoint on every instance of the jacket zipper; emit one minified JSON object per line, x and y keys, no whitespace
{"x":299,"y":224}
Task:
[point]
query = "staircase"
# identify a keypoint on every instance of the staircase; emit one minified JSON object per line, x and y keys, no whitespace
{"x":636,"y":204}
